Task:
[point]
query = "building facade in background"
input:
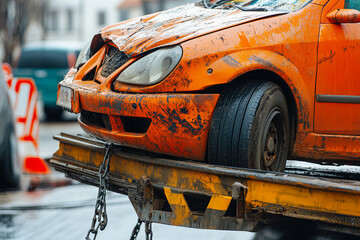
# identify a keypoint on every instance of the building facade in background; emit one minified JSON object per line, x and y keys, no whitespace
{"x":79,"y":20}
{"x":134,"y":8}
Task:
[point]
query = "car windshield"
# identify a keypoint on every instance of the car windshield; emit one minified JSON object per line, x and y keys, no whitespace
{"x":257,"y":5}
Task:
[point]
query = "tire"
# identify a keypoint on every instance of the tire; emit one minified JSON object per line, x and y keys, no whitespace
{"x":250,"y":127}
{"x":53,"y":113}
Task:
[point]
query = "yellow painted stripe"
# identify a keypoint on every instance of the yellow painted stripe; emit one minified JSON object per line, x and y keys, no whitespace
{"x":174,"y":198}
{"x":219,"y":202}
{"x":263,"y":193}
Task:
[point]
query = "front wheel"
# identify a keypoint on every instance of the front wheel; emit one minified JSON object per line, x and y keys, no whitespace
{"x":250,"y":127}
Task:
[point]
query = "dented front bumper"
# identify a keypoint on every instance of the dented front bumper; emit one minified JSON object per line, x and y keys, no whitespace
{"x":176,"y":124}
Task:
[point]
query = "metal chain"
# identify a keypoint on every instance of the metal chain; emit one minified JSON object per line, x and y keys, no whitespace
{"x":100,"y":218}
{"x":136,"y":230}
{"x":148,"y":230}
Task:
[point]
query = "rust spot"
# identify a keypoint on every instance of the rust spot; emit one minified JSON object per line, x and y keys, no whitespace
{"x":268,"y":64}
{"x":184,"y":110}
{"x":222,"y":39}
{"x":232,"y":62}
{"x":329,"y":58}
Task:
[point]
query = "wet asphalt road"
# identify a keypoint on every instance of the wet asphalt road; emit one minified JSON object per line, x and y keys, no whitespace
{"x":66,"y":212}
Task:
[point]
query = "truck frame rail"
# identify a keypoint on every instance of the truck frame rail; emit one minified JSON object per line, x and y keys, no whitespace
{"x":199,"y":195}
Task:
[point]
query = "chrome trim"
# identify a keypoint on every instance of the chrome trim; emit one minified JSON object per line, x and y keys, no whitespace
{"x":338,"y":99}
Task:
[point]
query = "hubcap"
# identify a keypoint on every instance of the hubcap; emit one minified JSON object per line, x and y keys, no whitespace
{"x":271,"y":146}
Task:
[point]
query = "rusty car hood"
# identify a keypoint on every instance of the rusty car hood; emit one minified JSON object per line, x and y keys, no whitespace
{"x":174,"y":26}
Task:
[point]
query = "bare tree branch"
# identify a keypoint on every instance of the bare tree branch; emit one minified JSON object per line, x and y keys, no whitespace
{"x":15,"y":16}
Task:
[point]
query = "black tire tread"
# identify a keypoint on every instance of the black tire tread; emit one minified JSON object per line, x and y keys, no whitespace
{"x":230,"y":135}
{"x":230,"y":108}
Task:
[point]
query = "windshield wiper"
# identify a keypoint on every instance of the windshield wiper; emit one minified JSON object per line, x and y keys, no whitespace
{"x":206,"y":4}
{"x":214,"y":4}
{"x":244,"y":7}
{"x":218,"y":3}
{"x":260,"y":9}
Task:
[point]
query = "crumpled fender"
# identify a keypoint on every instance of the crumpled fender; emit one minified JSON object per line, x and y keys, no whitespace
{"x":276,"y":63}
{"x":231,"y":66}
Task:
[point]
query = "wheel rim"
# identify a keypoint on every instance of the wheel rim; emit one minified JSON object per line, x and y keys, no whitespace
{"x":273,"y":141}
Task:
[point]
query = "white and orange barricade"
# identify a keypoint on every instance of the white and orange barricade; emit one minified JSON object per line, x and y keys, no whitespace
{"x":23,"y":95}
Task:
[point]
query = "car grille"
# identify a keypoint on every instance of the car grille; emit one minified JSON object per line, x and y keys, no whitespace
{"x":98,"y":119}
{"x":121,"y":123}
{"x":113,"y":60}
{"x":135,"y":124}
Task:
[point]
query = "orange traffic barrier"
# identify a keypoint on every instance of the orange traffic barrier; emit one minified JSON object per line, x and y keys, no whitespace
{"x":23,"y":94}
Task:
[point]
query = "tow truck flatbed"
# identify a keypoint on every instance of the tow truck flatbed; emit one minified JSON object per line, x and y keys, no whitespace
{"x":199,"y":195}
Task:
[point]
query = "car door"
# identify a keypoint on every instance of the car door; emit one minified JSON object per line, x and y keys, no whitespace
{"x":337,"y":105}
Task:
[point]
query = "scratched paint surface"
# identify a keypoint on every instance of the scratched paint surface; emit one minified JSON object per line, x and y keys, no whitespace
{"x":179,"y":123}
{"x":174,"y":26}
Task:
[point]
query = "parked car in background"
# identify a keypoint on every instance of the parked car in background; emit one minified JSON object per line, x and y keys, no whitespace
{"x":244,"y":83}
{"x":47,"y":63}
{"x":9,"y":158}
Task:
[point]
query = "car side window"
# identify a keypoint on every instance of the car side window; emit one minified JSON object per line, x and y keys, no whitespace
{"x":352,"y":4}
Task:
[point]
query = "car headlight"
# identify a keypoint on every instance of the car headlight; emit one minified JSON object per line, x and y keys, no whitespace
{"x":84,"y":56}
{"x":152,"y":68}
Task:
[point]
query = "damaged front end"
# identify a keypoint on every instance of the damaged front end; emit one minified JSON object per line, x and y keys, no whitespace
{"x":137,"y":120}
{"x":113,"y":86}
{"x":132,"y":83}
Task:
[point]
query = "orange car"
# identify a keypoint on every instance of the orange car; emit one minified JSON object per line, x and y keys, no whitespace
{"x":245,"y":83}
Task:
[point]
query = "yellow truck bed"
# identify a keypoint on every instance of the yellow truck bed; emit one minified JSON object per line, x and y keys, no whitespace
{"x":198,"y":195}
